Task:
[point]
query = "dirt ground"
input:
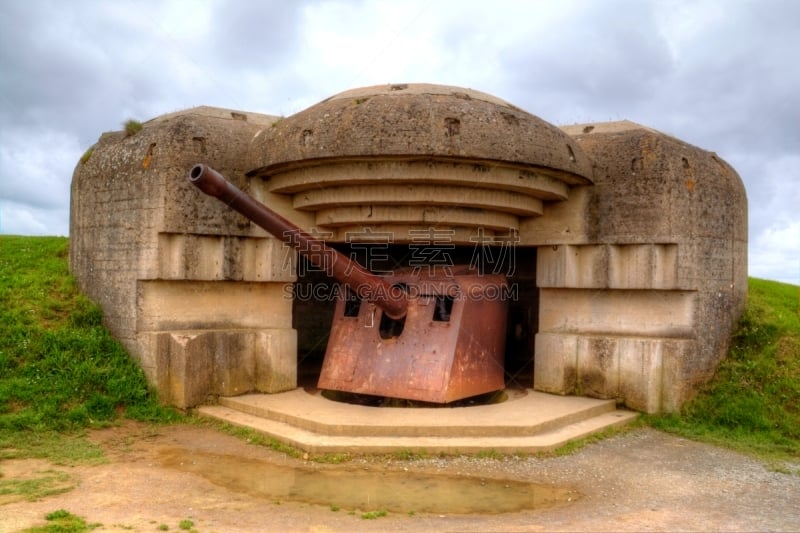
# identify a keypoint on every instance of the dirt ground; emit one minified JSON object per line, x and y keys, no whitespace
{"x":642,"y":480}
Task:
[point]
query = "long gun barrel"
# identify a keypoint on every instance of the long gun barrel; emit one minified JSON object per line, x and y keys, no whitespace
{"x":366,"y":285}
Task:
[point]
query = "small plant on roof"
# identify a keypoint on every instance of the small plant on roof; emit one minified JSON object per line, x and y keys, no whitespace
{"x":87,"y":154}
{"x":132,"y":127}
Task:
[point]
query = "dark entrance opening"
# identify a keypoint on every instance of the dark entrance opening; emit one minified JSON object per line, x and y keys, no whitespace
{"x":312,"y":314}
{"x":523,"y":319}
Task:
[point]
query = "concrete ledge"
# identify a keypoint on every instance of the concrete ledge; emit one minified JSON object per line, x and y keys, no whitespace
{"x":532,"y":423}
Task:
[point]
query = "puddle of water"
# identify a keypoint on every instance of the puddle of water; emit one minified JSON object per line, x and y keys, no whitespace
{"x":400,"y":492}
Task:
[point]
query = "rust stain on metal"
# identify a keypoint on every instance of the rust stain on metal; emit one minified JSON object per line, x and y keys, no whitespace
{"x":450,"y":345}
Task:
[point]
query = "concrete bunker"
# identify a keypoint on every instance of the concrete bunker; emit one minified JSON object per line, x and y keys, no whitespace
{"x":631,"y":245}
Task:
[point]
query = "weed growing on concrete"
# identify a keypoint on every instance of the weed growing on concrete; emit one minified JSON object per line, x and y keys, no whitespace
{"x":372,"y":515}
{"x":87,"y":155}
{"x":186,"y":524}
{"x":132,"y":127}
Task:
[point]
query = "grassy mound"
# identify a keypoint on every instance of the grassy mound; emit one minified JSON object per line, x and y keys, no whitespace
{"x":59,"y":367}
{"x":753,"y":402}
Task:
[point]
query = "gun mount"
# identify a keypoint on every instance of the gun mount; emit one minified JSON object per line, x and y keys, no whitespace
{"x":414,"y":335}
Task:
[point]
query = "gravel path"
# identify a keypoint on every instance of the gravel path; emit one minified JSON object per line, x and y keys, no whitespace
{"x":642,"y":480}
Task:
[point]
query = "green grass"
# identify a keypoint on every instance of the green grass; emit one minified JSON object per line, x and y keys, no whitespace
{"x":60,"y":369}
{"x":35,"y":486}
{"x":59,"y":448}
{"x":62,"y":521}
{"x":753,"y":402}
{"x":250,"y":436}
{"x":574,"y":445}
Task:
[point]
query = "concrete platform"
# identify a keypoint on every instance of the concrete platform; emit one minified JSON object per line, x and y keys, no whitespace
{"x":528,"y":422}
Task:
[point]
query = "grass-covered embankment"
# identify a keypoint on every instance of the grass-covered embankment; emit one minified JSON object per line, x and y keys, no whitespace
{"x":60,"y":369}
{"x":753,"y":402}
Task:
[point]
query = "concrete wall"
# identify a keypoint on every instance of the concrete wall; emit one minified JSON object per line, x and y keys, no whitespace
{"x":641,"y":238}
{"x":643,"y":274}
{"x":195,"y":293}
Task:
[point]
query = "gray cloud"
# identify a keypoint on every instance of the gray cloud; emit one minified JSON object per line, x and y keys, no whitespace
{"x":255,"y":35}
{"x":591,"y":60}
{"x":718,"y":75}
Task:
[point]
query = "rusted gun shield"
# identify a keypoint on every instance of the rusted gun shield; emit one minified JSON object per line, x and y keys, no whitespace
{"x":449,"y":346}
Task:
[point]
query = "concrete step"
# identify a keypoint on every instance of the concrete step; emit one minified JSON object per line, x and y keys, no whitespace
{"x":527,"y":413}
{"x":534,"y":422}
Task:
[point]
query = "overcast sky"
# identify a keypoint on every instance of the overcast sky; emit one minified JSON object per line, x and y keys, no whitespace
{"x":722,"y":75}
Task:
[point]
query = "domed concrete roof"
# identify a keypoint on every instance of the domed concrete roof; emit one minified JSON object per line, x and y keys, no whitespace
{"x":419,"y":120}
{"x":403,"y":158}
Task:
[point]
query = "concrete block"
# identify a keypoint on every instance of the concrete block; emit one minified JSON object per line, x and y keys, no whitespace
{"x":194,"y":365}
{"x":179,"y":305}
{"x":195,"y":257}
{"x":617,"y":312}
{"x":561,"y":222}
{"x":420,"y":122}
{"x":643,"y":266}
{"x":579,"y":267}
{"x":275,"y":360}
{"x":598,"y":367}
{"x":267,"y":259}
{"x":590,"y":266}
{"x":555,"y":364}
{"x":146,"y":354}
{"x":640,"y":373}
{"x":679,"y":381}
{"x":216,"y":258}
{"x":551,"y":266}
{"x":234,"y":359}
{"x":190,"y":367}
